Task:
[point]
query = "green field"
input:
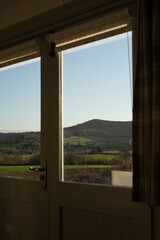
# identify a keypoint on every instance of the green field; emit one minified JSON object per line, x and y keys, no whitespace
{"x":26,"y":168}
{"x":108,"y":143}
{"x":15,"y":168}
{"x":114,"y":152}
{"x":27,"y":156}
{"x":99,"y":141}
{"x":100,"y":156}
{"x":76,"y":140}
{"x":87,"y":166}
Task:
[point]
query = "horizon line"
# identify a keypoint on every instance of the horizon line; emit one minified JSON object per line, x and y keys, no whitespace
{"x":31,"y":130}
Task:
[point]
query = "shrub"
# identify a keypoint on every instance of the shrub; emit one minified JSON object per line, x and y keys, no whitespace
{"x":124,"y":159}
{"x":35,"y":159}
{"x":72,"y":158}
{"x":84,"y":175}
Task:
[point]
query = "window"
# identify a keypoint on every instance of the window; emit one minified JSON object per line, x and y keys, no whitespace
{"x":20,"y":119}
{"x":97,"y":112}
{"x":20,"y":107}
{"x":96,"y":74}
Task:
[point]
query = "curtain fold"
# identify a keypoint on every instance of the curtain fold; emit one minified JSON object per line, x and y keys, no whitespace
{"x":156,"y":105}
{"x":146,"y":110}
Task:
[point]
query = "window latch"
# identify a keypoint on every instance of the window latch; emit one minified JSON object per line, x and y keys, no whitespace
{"x":43,"y":175}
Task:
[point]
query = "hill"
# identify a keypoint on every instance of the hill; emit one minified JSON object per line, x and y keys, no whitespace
{"x":100,"y":128}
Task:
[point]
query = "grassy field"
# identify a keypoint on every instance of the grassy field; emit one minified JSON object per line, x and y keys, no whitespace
{"x":111,"y":152}
{"x":26,"y":168}
{"x":76,"y":140}
{"x":15,"y":168}
{"x":101,"y":156}
{"x":24,"y":157}
{"x":27,"y":156}
{"x":104,"y":143}
{"x":87,"y":166}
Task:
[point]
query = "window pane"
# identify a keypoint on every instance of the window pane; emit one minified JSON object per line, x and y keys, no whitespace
{"x":97,"y":112}
{"x":20,"y":119}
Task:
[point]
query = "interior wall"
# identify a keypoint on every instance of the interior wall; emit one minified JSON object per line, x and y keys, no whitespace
{"x":15,"y":11}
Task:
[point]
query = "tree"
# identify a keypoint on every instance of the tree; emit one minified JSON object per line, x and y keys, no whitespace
{"x":124,"y":159}
{"x":124,"y":154}
{"x":99,"y":150}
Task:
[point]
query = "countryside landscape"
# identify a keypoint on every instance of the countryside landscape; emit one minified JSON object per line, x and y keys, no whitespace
{"x":91,"y":151}
{"x":17,"y":152}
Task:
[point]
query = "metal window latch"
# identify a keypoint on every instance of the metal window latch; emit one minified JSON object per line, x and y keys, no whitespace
{"x":43,"y":171}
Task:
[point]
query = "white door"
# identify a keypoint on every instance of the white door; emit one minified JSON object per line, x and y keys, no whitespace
{"x":66,"y":209}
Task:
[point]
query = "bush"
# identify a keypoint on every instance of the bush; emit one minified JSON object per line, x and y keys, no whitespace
{"x":124,"y":159}
{"x":84,"y":175}
{"x":73,"y":158}
{"x":9,"y":159}
{"x":34,"y":160}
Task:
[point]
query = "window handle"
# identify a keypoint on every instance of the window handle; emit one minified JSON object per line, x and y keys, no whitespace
{"x":40,"y":169}
{"x":43,"y":170}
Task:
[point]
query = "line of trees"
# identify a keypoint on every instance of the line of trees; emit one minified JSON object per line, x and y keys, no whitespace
{"x":123,"y":159}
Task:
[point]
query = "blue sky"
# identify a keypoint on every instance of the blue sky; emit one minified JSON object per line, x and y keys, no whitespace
{"x":96,"y":85}
{"x":96,"y":81}
{"x":20,"y":97}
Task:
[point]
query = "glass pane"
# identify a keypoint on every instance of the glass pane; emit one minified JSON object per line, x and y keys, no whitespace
{"x":20,"y":119}
{"x":97,"y":112}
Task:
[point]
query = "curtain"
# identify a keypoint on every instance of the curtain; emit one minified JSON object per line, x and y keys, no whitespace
{"x":146,"y":109}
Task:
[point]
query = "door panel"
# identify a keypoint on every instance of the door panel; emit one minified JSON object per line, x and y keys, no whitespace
{"x":92,"y":225}
{"x":106,"y":215}
{"x":24,"y":211}
{"x":20,"y":220}
{"x":111,"y":211}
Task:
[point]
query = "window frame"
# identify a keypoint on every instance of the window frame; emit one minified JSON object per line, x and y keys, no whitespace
{"x":61,"y":155}
{"x":54,"y":21}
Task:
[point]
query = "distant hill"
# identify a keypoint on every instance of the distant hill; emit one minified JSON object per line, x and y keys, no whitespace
{"x":100,"y":128}
{"x":92,"y":128}
{"x":15,"y":138}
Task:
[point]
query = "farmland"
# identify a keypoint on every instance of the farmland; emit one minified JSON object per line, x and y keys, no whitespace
{"x":94,"y":148}
{"x":17,"y":150}
{"x":15,"y":168}
{"x":91,"y":151}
